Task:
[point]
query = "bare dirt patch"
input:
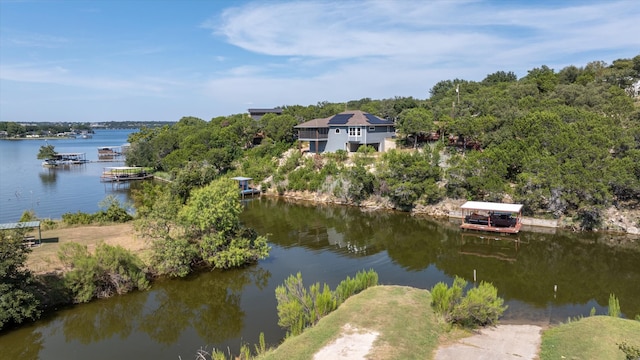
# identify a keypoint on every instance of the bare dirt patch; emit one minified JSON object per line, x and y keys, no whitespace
{"x":44,"y":259}
{"x":353,"y":344}
{"x":503,"y":342}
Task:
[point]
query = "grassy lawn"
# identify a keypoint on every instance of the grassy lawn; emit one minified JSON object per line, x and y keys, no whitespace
{"x":590,"y":338}
{"x":44,"y":258}
{"x":402,"y":316}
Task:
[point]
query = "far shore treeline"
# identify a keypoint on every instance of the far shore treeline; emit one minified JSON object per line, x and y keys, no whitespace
{"x":19,"y":130}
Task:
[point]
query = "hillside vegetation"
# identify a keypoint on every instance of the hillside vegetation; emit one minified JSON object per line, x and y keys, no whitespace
{"x":564,"y":143}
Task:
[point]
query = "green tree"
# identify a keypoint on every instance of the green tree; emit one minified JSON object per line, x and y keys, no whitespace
{"x":278,"y":128}
{"x":500,"y":77}
{"x":415,"y":121}
{"x":211,"y":217}
{"x":213,"y":208}
{"x":18,"y":301}
{"x":47,"y":152}
{"x":543,"y":77}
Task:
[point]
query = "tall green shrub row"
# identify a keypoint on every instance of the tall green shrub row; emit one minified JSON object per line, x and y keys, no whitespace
{"x":299,"y":308}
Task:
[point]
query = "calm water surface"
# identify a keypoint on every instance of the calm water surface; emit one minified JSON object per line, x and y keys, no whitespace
{"x":25,"y":184}
{"x":326,"y":244}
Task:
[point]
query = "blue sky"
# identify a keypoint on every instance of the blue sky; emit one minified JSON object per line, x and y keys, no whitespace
{"x":147,"y":60}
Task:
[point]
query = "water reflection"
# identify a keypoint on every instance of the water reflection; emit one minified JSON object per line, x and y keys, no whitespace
{"x":48,"y":178}
{"x":215,"y":313}
{"x":28,"y":348}
{"x":97,"y":322}
{"x":526,"y":267}
{"x":326,"y":244}
{"x":210,"y":304}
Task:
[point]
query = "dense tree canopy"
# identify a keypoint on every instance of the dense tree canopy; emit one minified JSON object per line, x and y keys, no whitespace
{"x":559,"y":141}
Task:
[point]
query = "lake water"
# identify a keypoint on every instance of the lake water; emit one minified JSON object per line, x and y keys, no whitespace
{"x":25,"y":184}
{"x":326,"y":244}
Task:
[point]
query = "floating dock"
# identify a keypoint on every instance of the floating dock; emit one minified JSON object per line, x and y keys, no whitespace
{"x":65,"y":159}
{"x":491,"y":217}
{"x":124,"y":173}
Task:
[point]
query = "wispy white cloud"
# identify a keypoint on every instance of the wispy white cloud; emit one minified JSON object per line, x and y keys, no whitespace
{"x":59,"y":75}
{"x":438,"y":29}
{"x":35,"y":41}
{"x":343,"y":50}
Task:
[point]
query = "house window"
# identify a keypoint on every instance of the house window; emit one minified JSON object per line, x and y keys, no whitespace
{"x":372,"y":128}
{"x":354,"y":131}
{"x":337,"y":131}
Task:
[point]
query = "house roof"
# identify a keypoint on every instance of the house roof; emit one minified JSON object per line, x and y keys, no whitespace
{"x":490,"y":206}
{"x":347,"y":118}
{"x":265,"y":111}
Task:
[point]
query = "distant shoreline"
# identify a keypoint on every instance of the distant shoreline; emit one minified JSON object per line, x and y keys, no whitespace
{"x":43,"y":138}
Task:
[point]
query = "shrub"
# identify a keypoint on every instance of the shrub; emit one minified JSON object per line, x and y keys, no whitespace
{"x":630,"y":352}
{"x":479,"y":307}
{"x":172,"y":257}
{"x":222,"y":253}
{"x":112,"y":210}
{"x":361,"y":183}
{"x":79,"y":218}
{"x":28,"y":215}
{"x":299,"y":308}
{"x":112,"y":270}
{"x":349,"y":286}
{"x":444,"y":298}
{"x":614,"y":306}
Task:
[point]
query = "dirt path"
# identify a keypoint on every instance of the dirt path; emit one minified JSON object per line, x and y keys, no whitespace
{"x":43,"y":258}
{"x":503,"y":342}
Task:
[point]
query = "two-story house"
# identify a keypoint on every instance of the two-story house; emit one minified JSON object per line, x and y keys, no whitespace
{"x":347,"y":131}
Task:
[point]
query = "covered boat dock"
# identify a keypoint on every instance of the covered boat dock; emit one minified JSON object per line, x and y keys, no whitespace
{"x":28,"y":240}
{"x":245,"y":187}
{"x":124,"y":173}
{"x":492,"y":217}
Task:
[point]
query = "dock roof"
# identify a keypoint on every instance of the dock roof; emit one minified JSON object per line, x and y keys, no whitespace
{"x":19,"y":225}
{"x":491,"y":206}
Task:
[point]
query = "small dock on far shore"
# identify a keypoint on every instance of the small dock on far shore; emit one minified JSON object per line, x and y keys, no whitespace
{"x":124,"y":173}
{"x":110,"y":153}
{"x":65,"y":159}
{"x":245,"y":187}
